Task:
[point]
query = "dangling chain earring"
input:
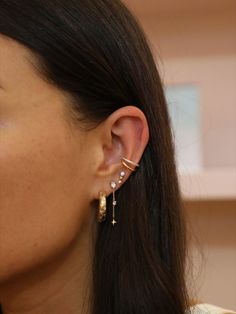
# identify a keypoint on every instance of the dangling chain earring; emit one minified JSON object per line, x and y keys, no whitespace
{"x":113,"y":186}
{"x":102,"y":196}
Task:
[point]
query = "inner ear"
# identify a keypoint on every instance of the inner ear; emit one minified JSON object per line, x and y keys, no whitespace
{"x":113,"y":153}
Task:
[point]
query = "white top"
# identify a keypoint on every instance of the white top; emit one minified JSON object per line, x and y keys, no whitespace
{"x":205,"y":308}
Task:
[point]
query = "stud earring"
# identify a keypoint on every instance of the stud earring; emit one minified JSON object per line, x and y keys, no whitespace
{"x":122,"y":174}
{"x":102,"y":207}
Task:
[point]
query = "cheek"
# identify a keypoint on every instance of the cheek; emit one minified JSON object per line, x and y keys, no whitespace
{"x":41,"y":202}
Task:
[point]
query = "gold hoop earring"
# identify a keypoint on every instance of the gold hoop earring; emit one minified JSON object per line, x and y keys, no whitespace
{"x":102,"y":207}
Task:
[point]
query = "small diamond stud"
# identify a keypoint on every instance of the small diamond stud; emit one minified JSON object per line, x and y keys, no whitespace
{"x":122,"y":174}
{"x":113,"y":185}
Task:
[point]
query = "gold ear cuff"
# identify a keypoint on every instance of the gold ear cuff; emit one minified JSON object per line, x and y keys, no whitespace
{"x":126,"y":163}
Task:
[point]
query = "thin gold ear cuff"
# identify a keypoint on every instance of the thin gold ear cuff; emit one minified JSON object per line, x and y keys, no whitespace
{"x":125,"y":161}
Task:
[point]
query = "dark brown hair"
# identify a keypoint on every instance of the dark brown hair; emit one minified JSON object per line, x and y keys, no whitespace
{"x":96,"y":51}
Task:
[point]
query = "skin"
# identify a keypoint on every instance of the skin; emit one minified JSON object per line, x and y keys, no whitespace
{"x":51,"y":173}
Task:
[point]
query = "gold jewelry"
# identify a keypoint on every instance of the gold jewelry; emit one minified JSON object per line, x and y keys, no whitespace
{"x":125,"y":161}
{"x":122,"y":174}
{"x":102,"y":207}
{"x":113,"y":186}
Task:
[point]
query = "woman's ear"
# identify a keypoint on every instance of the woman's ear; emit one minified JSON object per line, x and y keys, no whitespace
{"x":124,"y":133}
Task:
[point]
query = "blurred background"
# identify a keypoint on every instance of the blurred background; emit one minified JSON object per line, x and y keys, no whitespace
{"x":194,"y":44}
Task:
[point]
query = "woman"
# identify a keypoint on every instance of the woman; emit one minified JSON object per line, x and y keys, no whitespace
{"x":91,"y":214}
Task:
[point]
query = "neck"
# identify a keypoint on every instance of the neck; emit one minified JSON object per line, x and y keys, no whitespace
{"x":60,"y":286}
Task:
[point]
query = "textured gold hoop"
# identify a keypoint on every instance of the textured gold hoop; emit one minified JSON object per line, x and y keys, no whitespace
{"x":125,"y":161}
{"x":102,"y":207}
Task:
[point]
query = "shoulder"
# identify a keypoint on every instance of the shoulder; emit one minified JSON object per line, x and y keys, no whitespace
{"x":205,"y":308}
